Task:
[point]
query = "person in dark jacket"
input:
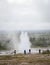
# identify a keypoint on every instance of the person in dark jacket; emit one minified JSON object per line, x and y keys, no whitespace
{"x":29,"y":51}
{"x":24,"y":51}
{"x":39,"y":51}
{"x":14,"y":52}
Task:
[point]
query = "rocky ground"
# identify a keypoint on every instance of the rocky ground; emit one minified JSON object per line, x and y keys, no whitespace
{"x":29,"y":59}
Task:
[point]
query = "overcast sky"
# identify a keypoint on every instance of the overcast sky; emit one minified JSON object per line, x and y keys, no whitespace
{"x":24,"y":15}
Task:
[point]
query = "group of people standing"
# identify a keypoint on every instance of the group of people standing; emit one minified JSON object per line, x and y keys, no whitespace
{"x":24,"y":51}
{"x":28,"y":52}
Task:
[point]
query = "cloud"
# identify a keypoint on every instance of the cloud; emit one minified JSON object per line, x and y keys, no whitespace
{"x":20,"y":2}
{"x":24,"y":15}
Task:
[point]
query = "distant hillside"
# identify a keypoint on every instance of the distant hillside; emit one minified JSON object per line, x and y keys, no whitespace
{"x":40,"y":39}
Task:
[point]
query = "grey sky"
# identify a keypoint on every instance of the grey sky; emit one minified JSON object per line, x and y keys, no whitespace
{"x":24,"y":15}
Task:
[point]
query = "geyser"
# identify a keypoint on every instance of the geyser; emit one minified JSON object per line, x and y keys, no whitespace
{"x":24,"y":42}
{"x":20,"y":43}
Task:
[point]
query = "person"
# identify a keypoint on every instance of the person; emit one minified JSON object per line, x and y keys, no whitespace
{"x":29,"y":51}
{"x":24,"y":51}
{"x":39,"y":51}
{"x":14,"y":52}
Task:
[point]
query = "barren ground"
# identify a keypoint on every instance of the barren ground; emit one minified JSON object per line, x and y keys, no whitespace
{"x":29,"y":59}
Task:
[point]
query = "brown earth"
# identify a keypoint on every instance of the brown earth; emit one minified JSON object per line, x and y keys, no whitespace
{"x":29,"y":59}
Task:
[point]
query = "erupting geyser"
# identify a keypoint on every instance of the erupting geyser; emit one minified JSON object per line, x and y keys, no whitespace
{"x":24,"y":42}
